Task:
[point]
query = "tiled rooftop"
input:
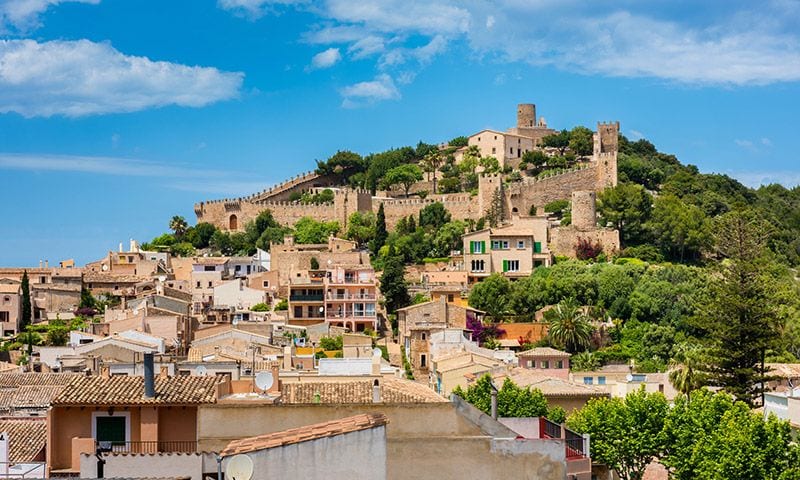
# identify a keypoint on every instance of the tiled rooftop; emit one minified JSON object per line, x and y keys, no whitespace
{"x":18,"y":379}
{"x":125,"y":390}
{"x":393,"y":390}
{"x":307,"y":433}
{"x":544,"y":352}
{"x":35,"y":396}
{"x":26,"y":437}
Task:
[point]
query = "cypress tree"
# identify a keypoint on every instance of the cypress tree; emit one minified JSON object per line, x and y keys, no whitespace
{"x":393,"y":282}
{"x":380,"y":231}
{"x":26,"y":301}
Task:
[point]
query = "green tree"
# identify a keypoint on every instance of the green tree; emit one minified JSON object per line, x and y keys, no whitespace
{"x":628,"y":207}
{"x":431,"y":163}
{"x":57,"y":333}
{"x":534,"y":158}
{"x":741,"y":318}
{"x":625,"y":433}
{"x":309,"y":230}
{"x":447,"y":238}
{"x":569,"y":326}
{"x":178,"y":226}
{"x":27,"y":312}
{"x":686,"y":370}
{"x":380,"y":231}
{"x":434,"y":216}
{"x":559,"y":140}
{"x":581,"y":141}
{"x":711,"y":436}
{"x":87,"y":300}
{"x":679,"y":228}
{"x":491,"y":295}
{"x":393,"y":283}
{"x":201,"y":234}
{"x":405,"y":175}
{"x":512,"y":400}
{"x":340,"y":162}
{"x":361,"y":227}
{"x":458,"y":142}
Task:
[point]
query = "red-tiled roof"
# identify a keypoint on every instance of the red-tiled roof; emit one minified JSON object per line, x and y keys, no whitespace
{"x":303,"y":434}
{"x":393,"y":390}
{"x":125,"y":390}
{"x":26,"y":438}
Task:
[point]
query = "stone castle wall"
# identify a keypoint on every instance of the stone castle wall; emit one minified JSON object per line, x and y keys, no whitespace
{"x":460,"y":205}
{"x":584,"y":210}
{"x":564,"y":239}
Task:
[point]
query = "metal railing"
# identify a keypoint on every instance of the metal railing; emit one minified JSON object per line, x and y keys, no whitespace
{"x":22,"y":470}
{"x":351,"y":296}
{"x":549,"y":429}
{"x":575,"y":444}
{"x":169,"y":446}
{"x":314,"y":297}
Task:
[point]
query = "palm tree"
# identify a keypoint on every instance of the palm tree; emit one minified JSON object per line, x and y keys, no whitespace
{"x":430,"y":163}
{"x":685,"y":373}
{"x":178,"y":225}
{"x":569,"y":326}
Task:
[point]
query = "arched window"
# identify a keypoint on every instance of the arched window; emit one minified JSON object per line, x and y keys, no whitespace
{"x":233,"y":223}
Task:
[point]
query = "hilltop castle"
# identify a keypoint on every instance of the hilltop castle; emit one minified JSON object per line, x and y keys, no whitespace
{"x":598,"y":173}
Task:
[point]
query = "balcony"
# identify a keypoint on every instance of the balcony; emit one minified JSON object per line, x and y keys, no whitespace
{"x":351,"y":296}
{"x":314,"y":297}
{"x":576,"y":445}
{"x":179,"y":446}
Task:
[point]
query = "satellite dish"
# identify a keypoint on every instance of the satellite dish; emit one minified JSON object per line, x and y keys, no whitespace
{"x":162,"y":278}
{"x":376,"y":352}
{"x":629,"y":377}
{"x":240,"y":467}
{"x":105,"y":267}
{"x":264,"y":381}
{"x":201,"y":371}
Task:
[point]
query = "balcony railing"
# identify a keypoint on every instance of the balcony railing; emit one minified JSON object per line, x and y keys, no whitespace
{"x":575,"y":444}
{"x":549,"y":429}
{"x":351,"y":296}
{"x":176,"y":446}
{"x":316,"y":297}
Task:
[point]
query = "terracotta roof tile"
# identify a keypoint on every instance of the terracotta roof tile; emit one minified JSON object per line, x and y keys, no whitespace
{"x":545,"y":352}
{"x":26,"y":437}
{"x":303,"y":434}
{"x":17,"y":379}
{"x":393,"y":390}
{"x":36,"y":396}
{"x":125,"y":390}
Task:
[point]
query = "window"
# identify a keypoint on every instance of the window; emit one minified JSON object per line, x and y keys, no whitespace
{"x":358,"y":309}
{"x":511,"y":150}
{"x":4,"y":316}
{"x":520,"y":243}
{"x":559,"y":363}
{"x":42,"y":279}
{"x":638,"y":378}
{"x":537,"y":247}
{"x":519,"y":153}
{"x":499,"y":244}
{"x":545,"y":364}
{"x":511,"y":265}
{"x":424,"y":336}
{"x":587,"y":380}
{"x":478,"y":266}
{"x":208,"y":268}
{"x":111,"y":428}
{"x":423,"y":361}
{"x":601,"y":380}
{"x":238,"y":268}
{"x":265,"y":283}
{"x":495,"y":137}
{"x":450,"y":297}
{"x":298,"y":312}
{"x":370,"y":309}
{"x":494,"y":150}
{"x":210,"y":284}
{"x":530,"y":363}
{"x":477,"y":247}
{"x":198,"y":284}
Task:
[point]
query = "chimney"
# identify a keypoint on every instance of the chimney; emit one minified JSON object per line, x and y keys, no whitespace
{"x":164,"y":373}
{"x":149,"y":376}
{"x":105,"y":371}
{"x":376,"y":391}
{"x":494,"y":399}
{"x":46,"y":264}
{"x":376,"y":365}
{"x":287,"y":357}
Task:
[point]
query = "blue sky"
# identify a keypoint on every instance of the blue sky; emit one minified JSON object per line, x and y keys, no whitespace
{"x":117,"y":114}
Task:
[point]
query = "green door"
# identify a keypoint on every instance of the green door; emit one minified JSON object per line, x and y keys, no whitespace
{"x":111,"y":429}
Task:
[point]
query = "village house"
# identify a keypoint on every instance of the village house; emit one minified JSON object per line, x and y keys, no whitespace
{"x":53,"y":290}
{"x":546,"y":361}
{"x":344,"y":296}
{"x":10,"y":306}
{"x":289,"y":257}
{"x":207,"y":273}
{"x":134,"y":262}
{"x":125,"y":414}
{"x":416,"y":324}
{"x":513,"y":250}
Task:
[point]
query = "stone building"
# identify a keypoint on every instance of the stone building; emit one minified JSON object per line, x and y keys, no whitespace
{"x":519,"y":196}
{"x":514,"y":250}
{"x":53,"y":290}
{"x":10,"y":306}
{"x":564,"y":239}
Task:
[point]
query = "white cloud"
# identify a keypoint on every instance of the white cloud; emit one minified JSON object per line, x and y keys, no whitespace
{"x":24,"y":14}
{"x":326,"y":58}
{"x":177,"y":176}
{"x":366,"y":93}
{"x":395,"y":16}
{"x":366,"y":46}
{"x":788,"y":179}
{"x":490,"y":22}
{"x":744,"y":143}
{"x":254,"y":8}
{"x":78,"y":78}
{"x":635,"y":134}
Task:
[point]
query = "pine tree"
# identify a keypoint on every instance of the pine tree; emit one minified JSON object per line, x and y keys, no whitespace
{"x":393,"y":282}
{"x":496,"y":213}
{"x":380,"y":231}
{"x":741,"y":316}
{"x":412,"y":224}
{"x":26,"y":301}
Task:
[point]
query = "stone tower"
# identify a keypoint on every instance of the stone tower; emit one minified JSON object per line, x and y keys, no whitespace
{"x":526,"y":115}
{"x":584,"y":210}
{"x":606,"y":146}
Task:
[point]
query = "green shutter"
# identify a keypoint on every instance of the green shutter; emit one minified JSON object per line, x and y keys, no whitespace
{"x":505,"y":265}
{"x":471,"y":247}
{"x":537,"y":247}
{"x":483,"y":246}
